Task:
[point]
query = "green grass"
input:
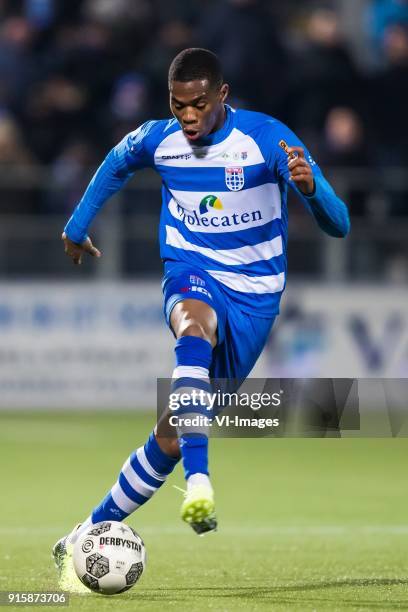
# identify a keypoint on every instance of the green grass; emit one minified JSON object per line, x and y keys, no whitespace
{"x":312,"y":524}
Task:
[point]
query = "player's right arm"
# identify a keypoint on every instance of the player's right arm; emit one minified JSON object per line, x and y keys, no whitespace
{"x":116,"y":169}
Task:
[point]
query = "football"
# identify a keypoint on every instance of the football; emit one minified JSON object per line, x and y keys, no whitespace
{"x":109,"y":558}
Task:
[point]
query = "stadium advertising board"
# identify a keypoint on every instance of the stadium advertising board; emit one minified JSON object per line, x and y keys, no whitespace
{"x":105,"y":345}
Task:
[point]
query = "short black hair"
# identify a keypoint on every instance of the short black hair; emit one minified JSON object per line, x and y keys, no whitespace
{"x":195,"y":65}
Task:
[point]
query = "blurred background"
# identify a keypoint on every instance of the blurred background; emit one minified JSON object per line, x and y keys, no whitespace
{"x":76,"y":75}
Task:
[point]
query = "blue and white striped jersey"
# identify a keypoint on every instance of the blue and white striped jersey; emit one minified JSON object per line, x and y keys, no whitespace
{"x":224,"y":201}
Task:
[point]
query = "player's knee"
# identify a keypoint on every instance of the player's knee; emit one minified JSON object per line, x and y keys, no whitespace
{"x":170,"y":446}
{"x":194,"y":318}
{"x":194,"y":328}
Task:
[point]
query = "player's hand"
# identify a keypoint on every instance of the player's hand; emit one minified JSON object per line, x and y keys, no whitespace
{"x":301,"y":172}
{"x":75,"y":251}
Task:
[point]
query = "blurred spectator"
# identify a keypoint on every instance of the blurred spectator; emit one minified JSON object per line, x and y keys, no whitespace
{"x":16,"y":60}
{"x":242,"y":34}
{"x":345,"y":145}
{"x":129,"y":98}
{"x":171,"y":38}
{"x":395,"y":45}
{"x":129,"y":22}
{"x":80,"y":50}
{"x":75,"y":75}
{"x":323,"y":73}
{"x":129,"y":104}
{"x":117,"y":12}
{"x":13,"y":154}
{"x":384,"y":13}
{"x":390,"y":99}
{"x":40,"y":13}
{"x":56,"y":109}
{"x":70,"y":175}
{"x":389,"y":107}
{"x":12,"y":150}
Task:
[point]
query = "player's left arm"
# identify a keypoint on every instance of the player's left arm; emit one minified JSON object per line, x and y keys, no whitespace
{"x":294,"y":163}
{"x":318,"y":195}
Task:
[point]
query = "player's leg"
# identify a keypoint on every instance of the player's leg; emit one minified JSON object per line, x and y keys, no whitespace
{"x":142,"y":474}
{"x":245,"y":338}
{"x":145,"y":471}
{"x":195,"y":312}
{"x":194,"y":324}
{"x":147,"y":468}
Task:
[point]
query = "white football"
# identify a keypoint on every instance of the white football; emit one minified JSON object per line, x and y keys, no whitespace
{"x":109,"y":557}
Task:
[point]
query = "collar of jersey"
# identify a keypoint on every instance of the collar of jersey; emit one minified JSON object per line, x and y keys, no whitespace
{"x":220,"y":134}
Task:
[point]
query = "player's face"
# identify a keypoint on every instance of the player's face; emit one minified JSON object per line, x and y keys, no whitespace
{"x":198,"y":107}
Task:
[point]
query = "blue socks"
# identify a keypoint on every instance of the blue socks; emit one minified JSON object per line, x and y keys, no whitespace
{"x":141,"y":476}
{"x":146,"y":470}
{"x":193,"y":359}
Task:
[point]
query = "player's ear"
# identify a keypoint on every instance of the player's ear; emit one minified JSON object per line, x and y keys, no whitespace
{"x":224,"y":91}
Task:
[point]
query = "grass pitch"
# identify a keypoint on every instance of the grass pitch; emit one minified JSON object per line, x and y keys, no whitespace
{"x":312,"y":524}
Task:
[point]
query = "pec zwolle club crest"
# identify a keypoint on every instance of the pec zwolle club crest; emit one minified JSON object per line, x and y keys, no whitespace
{"x":234,"y":178}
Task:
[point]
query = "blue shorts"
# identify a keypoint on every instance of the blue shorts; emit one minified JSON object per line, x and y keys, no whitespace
{"x":241,"y":336}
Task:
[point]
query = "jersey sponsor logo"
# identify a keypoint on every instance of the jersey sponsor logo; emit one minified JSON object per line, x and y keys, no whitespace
{"x":234,"y":178}
{"x":196,"y":289}
{"x":202,"y":290}
{"x":212,"y":201}
{"x":196,"y":280}
{"x":191,"y":219}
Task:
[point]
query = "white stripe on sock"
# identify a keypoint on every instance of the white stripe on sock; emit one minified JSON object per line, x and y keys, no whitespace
{"x":191,"y":372}
{"x":122,"y":500}
{"x":136,"y":482}
{"x":141,"y":455}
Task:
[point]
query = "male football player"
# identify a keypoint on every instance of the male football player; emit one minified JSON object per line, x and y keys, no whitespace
{"x":223,"y":236}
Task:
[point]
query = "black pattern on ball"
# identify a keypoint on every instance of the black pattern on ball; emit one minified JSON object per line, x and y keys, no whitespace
{"x":103,"y":527}
{"x":134,"y":573}
{"x":97,"y":565}
{"x":136,"y":534}
{"x":90,"y":582}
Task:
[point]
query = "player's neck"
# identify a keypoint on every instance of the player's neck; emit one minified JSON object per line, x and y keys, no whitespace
{"x":221,"y":120}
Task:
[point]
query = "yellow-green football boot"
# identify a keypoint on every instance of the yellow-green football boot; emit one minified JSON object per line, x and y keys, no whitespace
{"x":67,"y":578}
{"x":198,"y":509}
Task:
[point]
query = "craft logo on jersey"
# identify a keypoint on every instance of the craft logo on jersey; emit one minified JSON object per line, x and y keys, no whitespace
{"x":178,"y":156}
{"x":234,"y":178}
